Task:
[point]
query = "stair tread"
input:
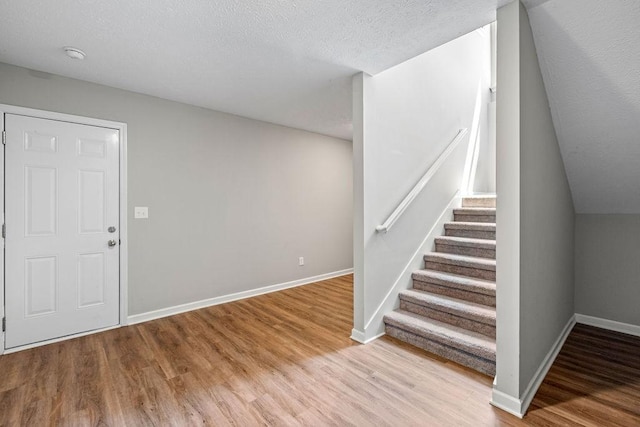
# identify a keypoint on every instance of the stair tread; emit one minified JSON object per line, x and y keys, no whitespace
{"x":464,"y":225}
{"x":461,"y":260}
{"x":444,"y":333}
{"x":488,"y":287}
{"x":459,"y":307}
{"x":466,"y":241}
{"x":479,"y":201}
{"x":470,"y":210}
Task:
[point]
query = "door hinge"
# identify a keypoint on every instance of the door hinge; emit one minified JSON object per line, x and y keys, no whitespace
{"x":4,"y":231}
{"x":4,"y":324}
{"x":4,"y":137}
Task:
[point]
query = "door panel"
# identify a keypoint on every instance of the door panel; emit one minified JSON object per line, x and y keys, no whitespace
{"x":41,"y":285}
{"x":91,"y":269}
{"x":62,"y":191}
{"x":40,"y":142}
{"x":91,"y":201}
{"x":41,"y":201}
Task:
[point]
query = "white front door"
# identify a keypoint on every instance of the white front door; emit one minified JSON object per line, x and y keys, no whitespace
{"x":62,"y":229}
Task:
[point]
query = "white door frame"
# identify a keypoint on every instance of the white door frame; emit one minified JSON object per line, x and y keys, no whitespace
{"x":122,"y":128}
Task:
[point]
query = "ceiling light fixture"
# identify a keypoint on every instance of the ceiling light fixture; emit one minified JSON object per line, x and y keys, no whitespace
{"x":74,"y":53}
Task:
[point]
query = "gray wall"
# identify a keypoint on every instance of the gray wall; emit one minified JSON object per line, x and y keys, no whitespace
{"x":546,"y":219}
{"x":535,"y":216}
{"x":607,"y":267}
{"x":232,"y":202}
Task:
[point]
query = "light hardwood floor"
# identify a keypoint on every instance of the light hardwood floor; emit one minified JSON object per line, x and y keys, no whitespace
{"x":286,"y":359}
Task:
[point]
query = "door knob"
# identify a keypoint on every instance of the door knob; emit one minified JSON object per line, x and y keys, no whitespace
{"x":112,"y":243}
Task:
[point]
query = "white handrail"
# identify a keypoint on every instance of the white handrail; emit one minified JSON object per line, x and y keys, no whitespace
{"x":421,"y":184}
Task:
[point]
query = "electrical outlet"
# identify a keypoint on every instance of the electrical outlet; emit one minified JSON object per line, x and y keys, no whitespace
{"x":141,"y":212}
{"x":301,"y":260}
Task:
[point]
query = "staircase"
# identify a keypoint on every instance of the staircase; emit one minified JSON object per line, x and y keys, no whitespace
{"x":451,"y":310}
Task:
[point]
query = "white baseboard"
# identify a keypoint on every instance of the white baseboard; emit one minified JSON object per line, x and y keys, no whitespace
{"x":611,"y":325}
{"x":360,"y":336}
{"x":182,"y":308}
{"x":518,"y":407}
{"x":542,"y":371}
{"x":506,"y":403}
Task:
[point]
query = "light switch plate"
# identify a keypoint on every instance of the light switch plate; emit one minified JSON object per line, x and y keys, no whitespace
{"x":141,"y":212}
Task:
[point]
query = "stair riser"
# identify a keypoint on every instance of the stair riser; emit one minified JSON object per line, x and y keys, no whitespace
{"x":450,"y":318}
{"x":474,"y":234}
{"x":455,"y":293}
{"x":463,"y":271}
{"x":479,"y":202}
{"x":463,"y":358}
{"x":474,"y":218}
{"x":466,"y":250}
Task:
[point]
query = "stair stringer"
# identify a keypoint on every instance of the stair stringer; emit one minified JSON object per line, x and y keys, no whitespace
{"x":375,"y":327}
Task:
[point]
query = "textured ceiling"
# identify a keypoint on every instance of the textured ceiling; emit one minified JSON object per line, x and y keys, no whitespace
{"x":283,"y":61}
{"x":589,"y":53}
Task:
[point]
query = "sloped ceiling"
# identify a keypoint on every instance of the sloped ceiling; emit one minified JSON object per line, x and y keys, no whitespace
{"x":283,"y":61}
{"x":589,"y":52}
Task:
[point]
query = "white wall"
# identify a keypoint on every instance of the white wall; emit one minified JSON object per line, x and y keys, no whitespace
{"x":484,"y":177}
{"x":508,"y":202}
{"x":404,"y":118}
{"x":607,"y":270}
{"x":535,"y":281}
{"x":361,"y":85}
{"x":232,"y":202}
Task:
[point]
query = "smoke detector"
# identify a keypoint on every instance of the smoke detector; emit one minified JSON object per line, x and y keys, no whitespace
{"x":74,"y":53}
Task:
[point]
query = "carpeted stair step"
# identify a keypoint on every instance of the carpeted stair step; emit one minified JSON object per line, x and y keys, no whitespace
{"x":479,"y":202}
{"x":467,"y":348}
{"x":481,"y":268}
{"x":455,"y":286}
{"x":474,"y":215}
{"x":467,"y":315}
{"x":473,"y":230}
{"x":482,"y":248}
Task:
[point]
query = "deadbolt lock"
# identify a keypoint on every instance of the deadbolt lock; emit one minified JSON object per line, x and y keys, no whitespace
{"x":111,"y":229}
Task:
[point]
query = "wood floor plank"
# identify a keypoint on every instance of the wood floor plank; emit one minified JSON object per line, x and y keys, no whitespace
{"x":286,"y":359}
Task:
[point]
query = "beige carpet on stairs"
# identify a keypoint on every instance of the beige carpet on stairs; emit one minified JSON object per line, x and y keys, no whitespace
{"x":450,"y":311}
